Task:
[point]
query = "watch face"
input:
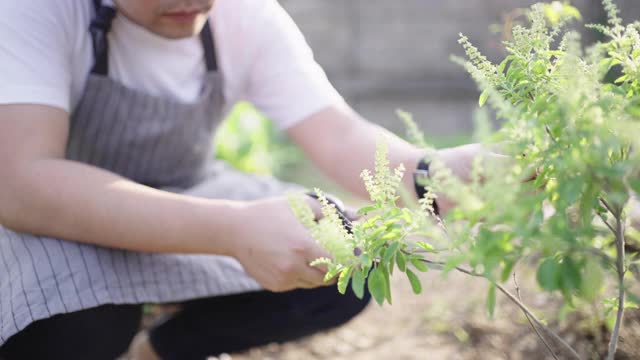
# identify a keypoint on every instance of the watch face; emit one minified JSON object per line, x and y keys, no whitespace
{"x":423,"y":165}
{"x":422,"y":174}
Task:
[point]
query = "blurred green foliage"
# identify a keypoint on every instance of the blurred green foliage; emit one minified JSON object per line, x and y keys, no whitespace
{"x":562,"y":121}
{"x":252,"y":143}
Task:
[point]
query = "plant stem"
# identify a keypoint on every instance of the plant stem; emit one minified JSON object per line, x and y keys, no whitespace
{"x":546,"y":128}
{"x":606,"y":222}
{"x":531,"y":322}
{"x":515,"y":301}
{"x":607,"y":206}
{"x":613,"y":343}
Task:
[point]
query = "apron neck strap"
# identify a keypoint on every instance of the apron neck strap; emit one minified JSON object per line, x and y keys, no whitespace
{"x":99,"y":28}
{"x":101,"y":25}
{"x":208,"y":43}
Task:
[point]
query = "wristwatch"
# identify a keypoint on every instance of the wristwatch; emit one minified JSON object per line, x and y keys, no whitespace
{"x":419,"y":176}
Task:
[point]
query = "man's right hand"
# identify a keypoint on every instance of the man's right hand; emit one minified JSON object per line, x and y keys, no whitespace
{"x":275,"y":248}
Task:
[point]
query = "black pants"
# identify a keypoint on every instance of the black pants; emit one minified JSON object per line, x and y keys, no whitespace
{"x":201,"y":328}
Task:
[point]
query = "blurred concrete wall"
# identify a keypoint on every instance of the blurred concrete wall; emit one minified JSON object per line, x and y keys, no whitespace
{"x":385,"y":54}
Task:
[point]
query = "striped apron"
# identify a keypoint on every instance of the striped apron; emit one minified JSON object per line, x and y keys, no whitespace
{"x":151,"y":140}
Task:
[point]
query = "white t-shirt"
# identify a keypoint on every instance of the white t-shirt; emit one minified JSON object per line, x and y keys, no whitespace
{"x":46,"y":56}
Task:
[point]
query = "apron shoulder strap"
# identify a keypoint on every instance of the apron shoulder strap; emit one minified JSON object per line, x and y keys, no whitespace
{"x":99,"y":28}
{"x":208,"y":43}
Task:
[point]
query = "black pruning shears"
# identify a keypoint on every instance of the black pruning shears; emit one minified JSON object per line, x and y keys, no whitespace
{"x":340,"y":210}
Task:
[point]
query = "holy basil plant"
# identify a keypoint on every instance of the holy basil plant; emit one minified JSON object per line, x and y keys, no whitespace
{"x":563,"y":120}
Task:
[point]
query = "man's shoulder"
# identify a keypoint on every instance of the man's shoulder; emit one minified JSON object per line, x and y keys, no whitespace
{"x":65,"y":14}
{"x":48,"y":6}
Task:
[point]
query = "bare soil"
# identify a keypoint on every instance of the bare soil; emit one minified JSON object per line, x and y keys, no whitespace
{"x":448,"y":321}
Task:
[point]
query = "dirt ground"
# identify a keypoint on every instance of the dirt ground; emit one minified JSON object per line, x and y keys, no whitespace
{"x":448,"y":321}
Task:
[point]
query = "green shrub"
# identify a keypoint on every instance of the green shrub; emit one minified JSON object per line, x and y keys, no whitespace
{"x":559,"y":119}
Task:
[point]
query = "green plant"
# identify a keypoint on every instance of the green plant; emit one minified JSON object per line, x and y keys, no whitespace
{"x":561,"y":120}
{"x":251,"y":143}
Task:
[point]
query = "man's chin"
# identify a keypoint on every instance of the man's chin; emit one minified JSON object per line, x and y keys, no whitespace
{"x":180,"y":30}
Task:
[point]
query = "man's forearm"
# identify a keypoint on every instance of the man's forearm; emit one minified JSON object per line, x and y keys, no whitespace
{"x":399,"y":152}
{"x":74,"y":201}
{"x":342,"y":144}
{"x":355,"y":151}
